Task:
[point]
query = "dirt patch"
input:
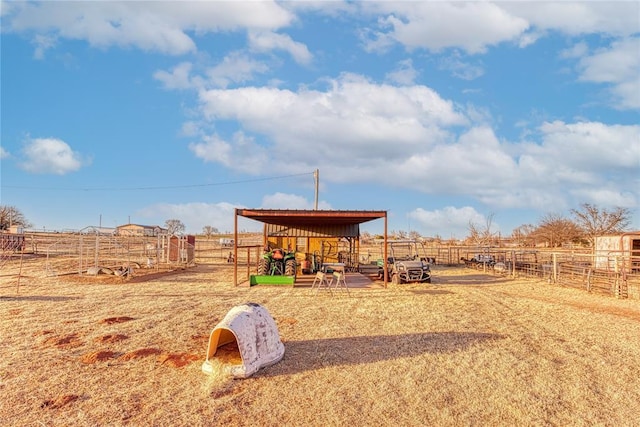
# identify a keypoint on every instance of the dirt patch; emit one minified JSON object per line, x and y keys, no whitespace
{"x":97,"y":356}
{"x":63,"y":342}
{"x":105,"y":339}
{"x":177,"y":360}
{"x":141,"y":276}
{"x":59,"y":401}
{"x":15,"y":311}
{"x":112,"y":320}
{"x":140,"y":353}
{"x":41,"y":333}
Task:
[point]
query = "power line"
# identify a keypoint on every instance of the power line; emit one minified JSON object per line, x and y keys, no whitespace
{"x":164,"y":187}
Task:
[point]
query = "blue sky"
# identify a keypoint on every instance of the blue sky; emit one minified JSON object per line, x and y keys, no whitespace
{"x":441,"y":113}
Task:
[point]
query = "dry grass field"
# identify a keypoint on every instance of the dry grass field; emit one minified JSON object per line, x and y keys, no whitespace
{"x":468,"y":349}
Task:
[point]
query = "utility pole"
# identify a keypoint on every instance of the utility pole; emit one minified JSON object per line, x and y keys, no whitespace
{"x":316,"y":177}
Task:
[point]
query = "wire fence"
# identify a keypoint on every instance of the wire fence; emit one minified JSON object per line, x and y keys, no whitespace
{"x":611,"y":273}
{"x":617,"y":275}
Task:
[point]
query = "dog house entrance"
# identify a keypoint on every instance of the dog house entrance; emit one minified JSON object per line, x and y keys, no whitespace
{"x":227,"y":351}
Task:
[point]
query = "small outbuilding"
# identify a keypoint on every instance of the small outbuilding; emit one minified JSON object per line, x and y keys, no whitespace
{"x":619,"y":252}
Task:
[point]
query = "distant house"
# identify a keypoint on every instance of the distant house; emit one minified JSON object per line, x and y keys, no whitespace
{"x":140,"y":230}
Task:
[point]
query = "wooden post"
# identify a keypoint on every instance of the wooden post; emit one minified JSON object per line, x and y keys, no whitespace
{"x":20,"y":270}
{"x":385,"y":267}
{"x":235,"y":247}
{"x":555,"y":267}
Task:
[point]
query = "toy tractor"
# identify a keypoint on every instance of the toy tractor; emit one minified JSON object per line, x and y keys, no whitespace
{"x":277,"y":262}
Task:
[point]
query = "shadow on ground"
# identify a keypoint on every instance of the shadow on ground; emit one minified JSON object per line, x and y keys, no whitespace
{"x":470,"y":279}
{"x":309,"y":355}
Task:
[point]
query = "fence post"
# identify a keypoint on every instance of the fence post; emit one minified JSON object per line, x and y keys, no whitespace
{"x":555,"y":267}
{"x":616,"y":273}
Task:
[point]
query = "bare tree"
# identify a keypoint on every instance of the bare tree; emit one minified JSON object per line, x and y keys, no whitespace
{"x":414,"y":235}
{"x":556,"y":230}
{"x":524,"y":235}
{"x":174,"y":226}
{"x":481,"y":235}
{"x":10,"y":215}
{"x":594,"y":221}
{"x":209,"y":231}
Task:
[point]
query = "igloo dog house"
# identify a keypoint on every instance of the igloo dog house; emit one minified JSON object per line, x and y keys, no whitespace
{"x":249,"y":331}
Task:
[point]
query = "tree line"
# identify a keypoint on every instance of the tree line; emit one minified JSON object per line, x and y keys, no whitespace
{"x":553,"y":230}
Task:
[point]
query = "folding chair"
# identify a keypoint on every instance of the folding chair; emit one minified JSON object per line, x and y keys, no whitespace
{"x":320,"y":281}
{"x":338,"y":280}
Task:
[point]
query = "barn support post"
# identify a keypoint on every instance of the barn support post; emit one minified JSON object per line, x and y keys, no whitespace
{"x":235,"y":247}
{"x":386,"y":254}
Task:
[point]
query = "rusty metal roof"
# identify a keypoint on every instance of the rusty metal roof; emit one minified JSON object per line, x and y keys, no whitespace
{"x":310,"y":218}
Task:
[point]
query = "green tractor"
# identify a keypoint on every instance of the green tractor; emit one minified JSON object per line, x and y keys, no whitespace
{"x":277,"y":262}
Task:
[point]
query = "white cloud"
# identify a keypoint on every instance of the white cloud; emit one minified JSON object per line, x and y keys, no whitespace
{"x":619,"y":18}
{"x":619,"y":66}
{"x":603,"y":196}
{"x":50,"y":156}
{"x":364,"y":119}
{"x":461,"y":69}
{"x":355,"y":129}
{"x":43,"y":43}
{"x":454,"y":220}
{"x":190,"y":128}
{"x":177,"y":78}
{"x":590,"y":147}
{"x":578,"y":50}
{"x":151,"y":26}
{"x":475,"y":26}
{"x":241,"y":153}
{"x":470,"y":26}
{"x":195,"y":216}
{"x":404,"y":74}
{"x":290,"y":201}
{"x":4,"y":153}
{"x":236,"y":67}
{"x":266,"y":41}
{"x":580,"y":160}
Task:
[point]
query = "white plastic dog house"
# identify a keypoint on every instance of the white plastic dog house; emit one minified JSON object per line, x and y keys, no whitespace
{"x":249,"y":331}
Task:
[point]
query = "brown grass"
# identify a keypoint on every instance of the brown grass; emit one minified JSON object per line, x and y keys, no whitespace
{"x":468,"y":349}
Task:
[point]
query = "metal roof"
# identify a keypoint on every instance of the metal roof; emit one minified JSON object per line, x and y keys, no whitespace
{"x":310,"y":218}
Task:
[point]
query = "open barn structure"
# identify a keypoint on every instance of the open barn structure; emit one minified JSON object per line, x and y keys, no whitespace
{"x":318,"y":236}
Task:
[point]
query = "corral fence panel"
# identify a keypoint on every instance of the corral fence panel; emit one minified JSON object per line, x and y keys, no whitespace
{"x":78,"y":252}
{"x":617,"y":275}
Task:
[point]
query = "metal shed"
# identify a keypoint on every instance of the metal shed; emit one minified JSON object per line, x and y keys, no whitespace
{"x":295,"y":223}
